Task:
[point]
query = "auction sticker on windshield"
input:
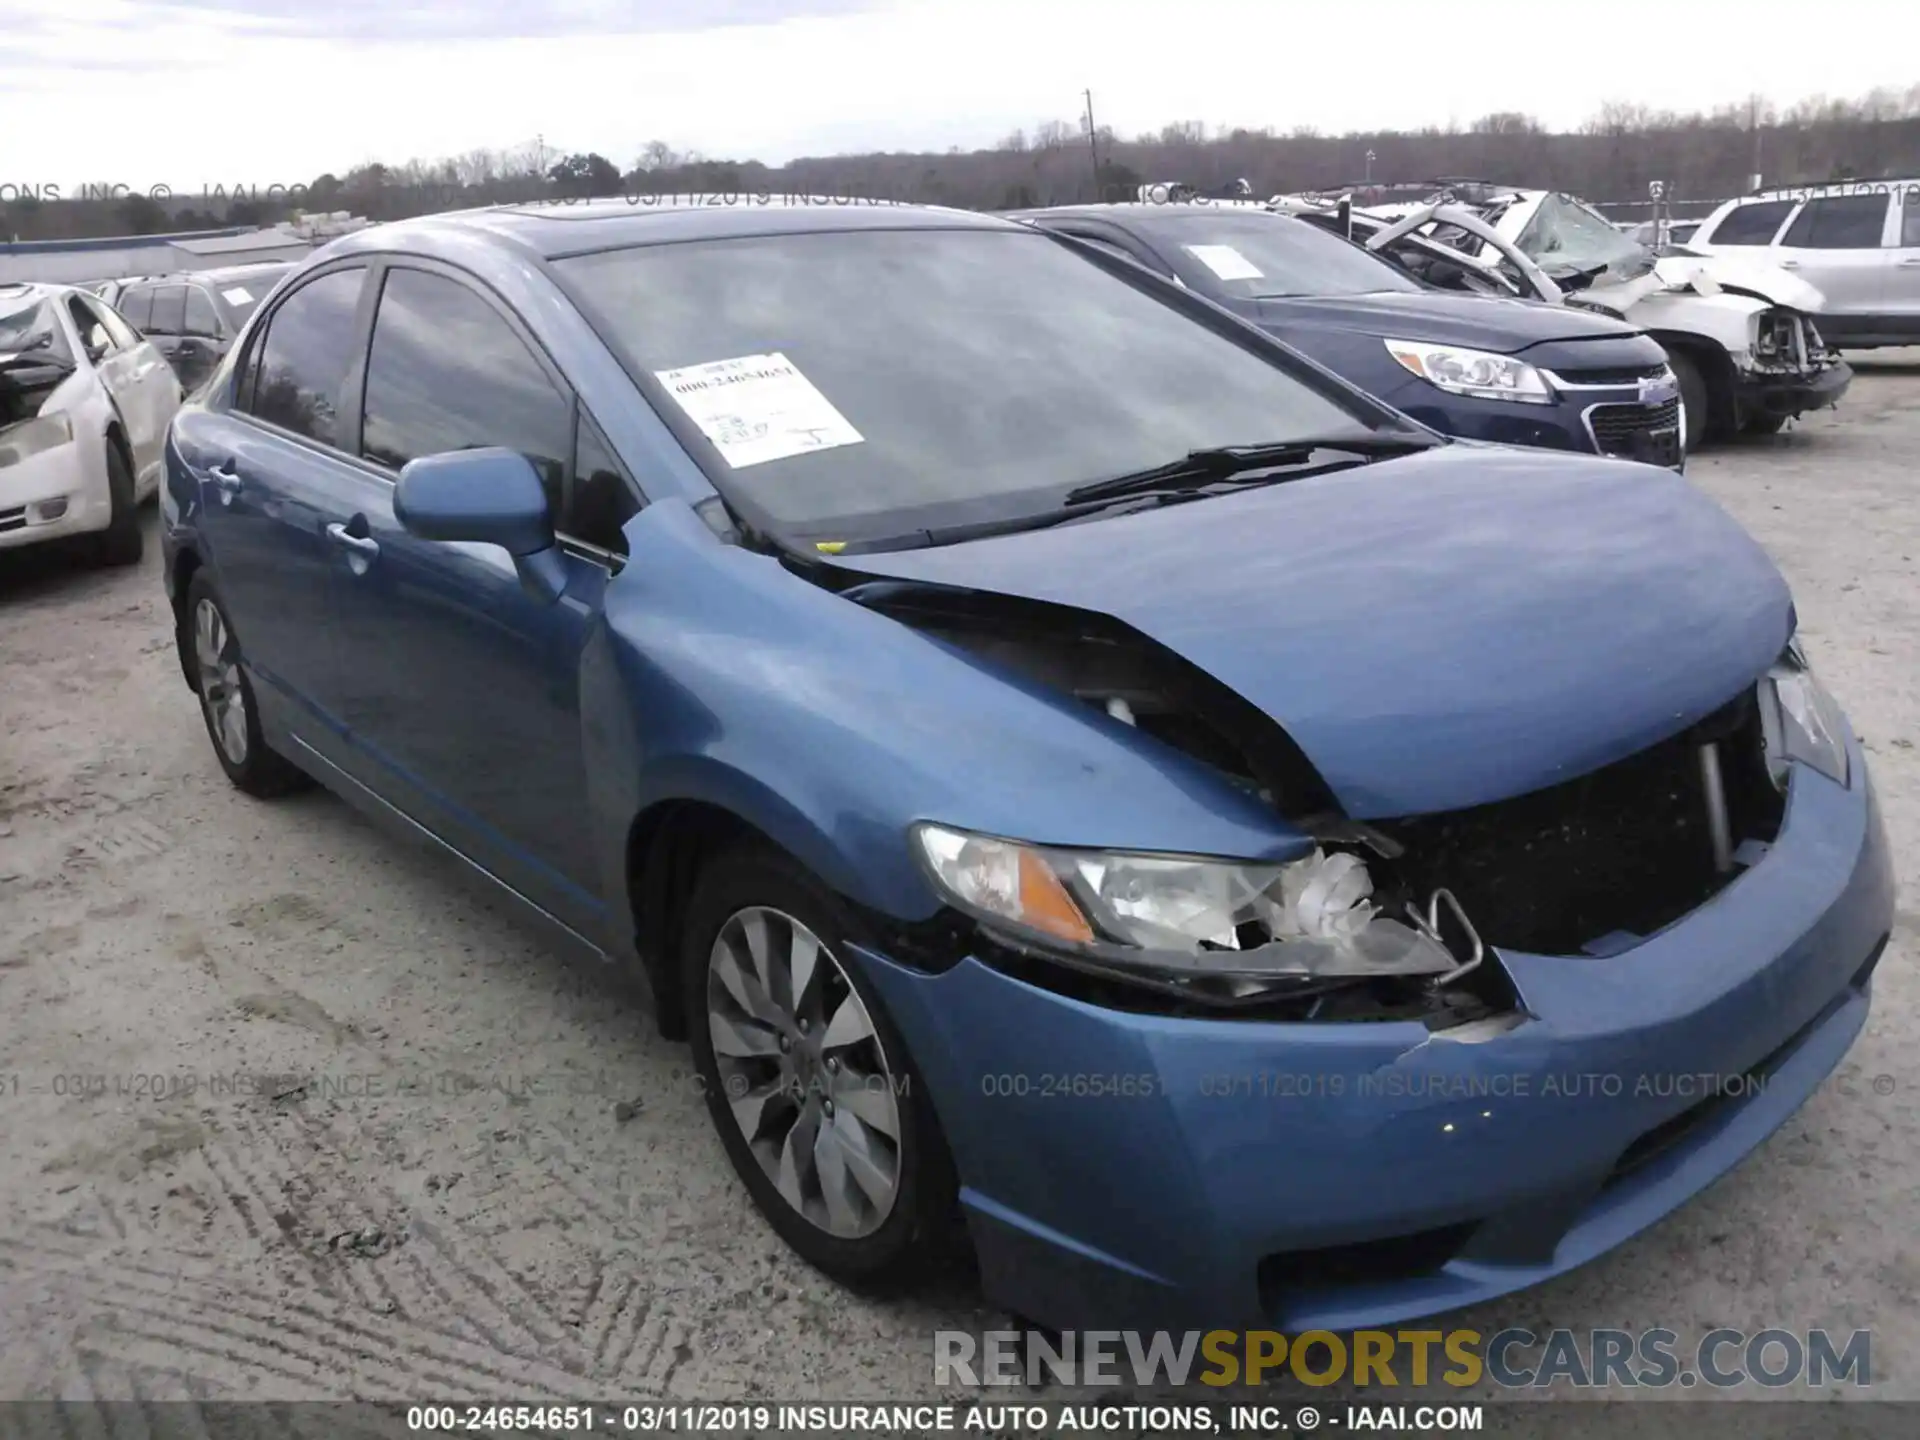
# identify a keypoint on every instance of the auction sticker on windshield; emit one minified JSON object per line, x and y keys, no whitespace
{"x":1225,"y":261}
{"x":238,"y":295}
{"x":757,"y":408}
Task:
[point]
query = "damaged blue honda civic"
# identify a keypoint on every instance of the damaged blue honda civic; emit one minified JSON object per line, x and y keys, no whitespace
{"x":1096,"y":791}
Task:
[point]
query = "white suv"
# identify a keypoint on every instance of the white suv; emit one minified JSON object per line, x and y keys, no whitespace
{"x":1857,"y":242}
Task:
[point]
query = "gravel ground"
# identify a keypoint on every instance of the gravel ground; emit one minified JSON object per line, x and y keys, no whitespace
{"x":445,"y":1199}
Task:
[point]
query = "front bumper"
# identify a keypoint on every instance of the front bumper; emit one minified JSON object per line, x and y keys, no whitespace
{"x":1139,"y":1171}
{"x":1763,"y":393}
{"x":55,"y":493}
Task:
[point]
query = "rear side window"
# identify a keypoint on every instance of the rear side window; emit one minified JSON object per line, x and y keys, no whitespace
{"x":447,"y":372}
{"x":302,"y":364}
{"x":202,"y":318}
{"x":1910,"y":222}
{"x":137,"y":306}
{"x":1839,"y":222}
{"x":1751,"y":224}
{"x":169,"y":311}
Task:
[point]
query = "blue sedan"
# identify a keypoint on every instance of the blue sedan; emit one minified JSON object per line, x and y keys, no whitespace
{"x":1091,"y":786}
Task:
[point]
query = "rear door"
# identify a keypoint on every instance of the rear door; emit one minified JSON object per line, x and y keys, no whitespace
{"x":464,"y":700}
{"x":270,"y":477}
{"x":1901,"y":303}
{"x":202,"y":338}
{"x":1837,"y":244}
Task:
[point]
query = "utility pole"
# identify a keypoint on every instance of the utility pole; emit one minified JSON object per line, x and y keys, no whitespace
{"x":1753,"y":126}
{"x":1370,"y":158}
{"x":1093,"y":143}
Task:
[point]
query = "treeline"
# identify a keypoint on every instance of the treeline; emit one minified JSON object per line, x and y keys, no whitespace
{"x":1612,"y":158}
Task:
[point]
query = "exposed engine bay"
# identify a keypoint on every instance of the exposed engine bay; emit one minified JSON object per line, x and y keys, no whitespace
{"x":1586,"y":868}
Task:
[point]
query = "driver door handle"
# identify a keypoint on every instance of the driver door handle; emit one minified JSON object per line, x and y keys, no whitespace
{"x":364,"y":544}
{"x":226,"y":477}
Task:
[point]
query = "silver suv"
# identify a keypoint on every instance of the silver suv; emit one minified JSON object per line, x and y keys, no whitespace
{"x":1857,"y":242}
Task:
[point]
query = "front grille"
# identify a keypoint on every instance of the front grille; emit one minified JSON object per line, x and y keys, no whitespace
{"x":1612,"y":856}
{"x":13,"y":519}
{"x":1638,"y":432}
{"x":1613,"y":374}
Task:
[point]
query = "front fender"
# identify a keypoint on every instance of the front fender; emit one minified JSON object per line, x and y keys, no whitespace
{"x":720,"y":675}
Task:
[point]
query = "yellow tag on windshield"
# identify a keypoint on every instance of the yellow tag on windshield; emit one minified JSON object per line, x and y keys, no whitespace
{"x":831,"y":547}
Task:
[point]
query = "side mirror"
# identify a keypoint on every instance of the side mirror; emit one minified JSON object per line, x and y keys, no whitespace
{"x":486,"y":497}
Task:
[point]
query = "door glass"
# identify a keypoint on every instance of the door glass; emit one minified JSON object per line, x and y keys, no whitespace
{"x":124,"y":336}
{"x":137,"y":306}
{"x":169,"y":311}
{"x":1910,"y":223}
{"x":602,"y":501}
{"x":93,"y":331}
{"x":202,"y":319}
{"x":304,"y":360}
{"x":1751,"y":224}
{"x":1839,"y":222}
{"x":446,"y":372}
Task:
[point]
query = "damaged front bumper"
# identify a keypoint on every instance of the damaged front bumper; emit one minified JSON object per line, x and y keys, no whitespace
{"x":1791,"y":393}
{"x":1343,"y":1175}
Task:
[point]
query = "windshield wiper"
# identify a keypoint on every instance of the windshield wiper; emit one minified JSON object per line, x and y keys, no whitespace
{"x":1244,"y":464}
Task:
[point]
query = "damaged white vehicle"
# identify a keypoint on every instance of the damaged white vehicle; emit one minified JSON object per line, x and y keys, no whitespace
{"x":85,"y":403}
{"x":1741,"y":335}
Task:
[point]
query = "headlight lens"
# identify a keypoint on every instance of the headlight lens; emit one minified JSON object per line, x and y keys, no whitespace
{"x":1180,"y":916}
{"x":1800,"y":720}
{"x":32,"y":437}
{"x":1478,"y":373}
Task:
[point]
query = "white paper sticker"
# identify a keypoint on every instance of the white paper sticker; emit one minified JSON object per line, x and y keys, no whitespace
{"x":238,"y":295}
{"x":1225,"y":261}
{"x":757,"y":408}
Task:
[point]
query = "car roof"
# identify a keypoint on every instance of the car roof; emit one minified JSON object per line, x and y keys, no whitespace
{"x":1139,"y":209}
{"x":553,"y":229}
{"x":12,"y":291}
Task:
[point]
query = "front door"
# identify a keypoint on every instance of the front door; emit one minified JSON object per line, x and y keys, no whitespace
{"x":462,"y":695}
{"x":1836,"y":244}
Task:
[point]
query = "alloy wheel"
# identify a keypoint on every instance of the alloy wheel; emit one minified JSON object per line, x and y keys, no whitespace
{"x":804,"y":1072}
{"x":217,"y":658}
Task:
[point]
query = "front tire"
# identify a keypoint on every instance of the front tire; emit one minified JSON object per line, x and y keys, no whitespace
{"x":212,"y":653}
{"x":810,"y":1086}
{"x":120,"y":543}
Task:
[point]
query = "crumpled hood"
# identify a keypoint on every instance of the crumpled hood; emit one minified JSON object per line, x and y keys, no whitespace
{"x":1712,"y":275}
{"x":1482,"y":322}
{"x":1435,"y":632}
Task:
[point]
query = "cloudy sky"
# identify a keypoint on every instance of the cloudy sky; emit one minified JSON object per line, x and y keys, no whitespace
{"x":196,"y":92}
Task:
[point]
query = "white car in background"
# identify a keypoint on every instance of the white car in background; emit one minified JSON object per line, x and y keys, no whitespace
{"x":1857,"y":242}
{"x":85,"y":402}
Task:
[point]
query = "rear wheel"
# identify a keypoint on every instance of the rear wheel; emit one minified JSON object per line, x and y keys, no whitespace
{"x":811,"y":1088}
{"x":226,"y":698}
{"x":119,"y":543}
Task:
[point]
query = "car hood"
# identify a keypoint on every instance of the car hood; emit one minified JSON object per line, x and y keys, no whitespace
{"x":1712,"y":275}
{"x":1482,"y":322}
{"x":1435,"y":632}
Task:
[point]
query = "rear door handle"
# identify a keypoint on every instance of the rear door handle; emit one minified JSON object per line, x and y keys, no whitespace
{"x":362,"y":544}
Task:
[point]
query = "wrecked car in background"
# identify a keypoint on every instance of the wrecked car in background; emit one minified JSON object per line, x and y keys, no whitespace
{"x":1044,"y":740}
{"x":84,"y":408}
{"x":1742,"y":336}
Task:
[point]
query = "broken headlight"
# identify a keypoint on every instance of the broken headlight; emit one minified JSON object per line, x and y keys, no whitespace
{"x":1179,"y":916}
{"x":32,"y":437}
{"x":1800,"y":721}
{"x":1479,"y":373}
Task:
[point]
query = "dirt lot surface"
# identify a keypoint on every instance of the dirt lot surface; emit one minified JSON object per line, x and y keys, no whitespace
{"x":288,"y":1112}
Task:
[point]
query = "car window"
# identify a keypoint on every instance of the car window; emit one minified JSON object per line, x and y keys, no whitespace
{"x":1839,"y":222}
{"x":1751,"y":224}
{"x":302,"y":363}
{"x":1910,"y":222}
{"x":447,"y":372}
{"x":169,"y":311}
{"x":892,"y":379}
{"x":125,"y":337}
{"x":1565,"y":234}
{"x":1251,"y":256}
{"x":201,"y":319}
{"x":95,"y":339}
{"x":601,"y":500}
{"x":137,"y":305}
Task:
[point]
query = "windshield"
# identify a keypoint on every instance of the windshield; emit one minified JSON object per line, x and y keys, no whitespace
{"x":863,"y":384}
{"x":1249,"y":257}
{"x":28,"y":327}
{"x":245,"y":292}
{"x":1565,"y":236}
